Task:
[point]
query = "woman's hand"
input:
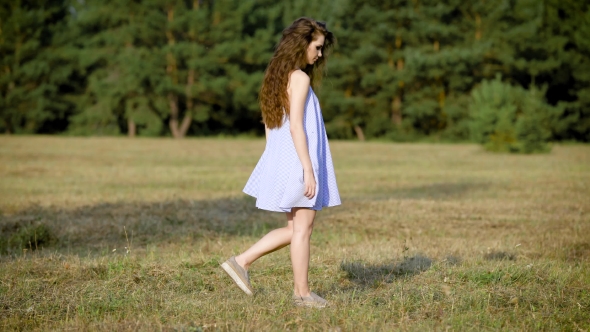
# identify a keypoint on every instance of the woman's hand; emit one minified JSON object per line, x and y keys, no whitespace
{"x":310,"y":184}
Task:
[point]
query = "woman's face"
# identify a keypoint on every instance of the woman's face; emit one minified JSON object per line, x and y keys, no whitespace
{"x":314,"y":50}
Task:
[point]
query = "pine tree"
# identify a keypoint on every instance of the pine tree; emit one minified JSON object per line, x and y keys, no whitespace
{"x":567,"y":23}
{"x":506,"y":118}
{"x":402,"y":62}
{"x":32,"y":68}
{"x":119,"y":51}
{"x":534,"y":44}
{"x":402,"y":69}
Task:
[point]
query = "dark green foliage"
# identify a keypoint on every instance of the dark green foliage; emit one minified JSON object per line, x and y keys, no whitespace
{"x":505,"y":118}
{"x":33,"y":67}
{"x":402,"y":69}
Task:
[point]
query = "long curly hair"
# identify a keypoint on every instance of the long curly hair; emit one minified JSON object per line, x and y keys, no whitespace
{"x":290,"y":54}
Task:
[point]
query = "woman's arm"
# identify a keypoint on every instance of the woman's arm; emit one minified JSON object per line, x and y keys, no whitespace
{"x":298,"y":90}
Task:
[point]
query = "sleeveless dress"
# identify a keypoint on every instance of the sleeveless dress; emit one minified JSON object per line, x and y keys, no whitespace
{"x":277,"y":180}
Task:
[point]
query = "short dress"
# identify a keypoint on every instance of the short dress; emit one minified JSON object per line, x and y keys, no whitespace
{"x":277,"y":180}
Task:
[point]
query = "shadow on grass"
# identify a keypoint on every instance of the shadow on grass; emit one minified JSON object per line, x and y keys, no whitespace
{"x":366,"y":275}
{"x":109,"y":224}
{"x":499,"y":256}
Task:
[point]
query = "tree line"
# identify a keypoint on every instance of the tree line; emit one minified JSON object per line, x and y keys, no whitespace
{"x":402,"y":69}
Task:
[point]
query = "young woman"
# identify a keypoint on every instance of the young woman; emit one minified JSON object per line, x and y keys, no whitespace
{"x":295,"y":174}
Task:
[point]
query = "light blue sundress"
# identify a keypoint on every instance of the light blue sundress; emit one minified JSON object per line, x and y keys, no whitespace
{"x":277,"y":180}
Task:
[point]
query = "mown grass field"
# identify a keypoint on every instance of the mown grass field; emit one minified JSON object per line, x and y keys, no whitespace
{"x":119,"y":234}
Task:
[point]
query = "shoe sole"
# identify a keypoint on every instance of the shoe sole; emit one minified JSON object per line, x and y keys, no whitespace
{"x":232,"y":274}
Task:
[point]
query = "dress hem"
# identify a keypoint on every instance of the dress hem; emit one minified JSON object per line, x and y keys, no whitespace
{"x":289,"y":210}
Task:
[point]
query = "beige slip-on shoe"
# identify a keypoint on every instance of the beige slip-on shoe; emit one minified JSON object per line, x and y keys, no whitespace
{"x":238,"y":274}
{"x":312,"y":301}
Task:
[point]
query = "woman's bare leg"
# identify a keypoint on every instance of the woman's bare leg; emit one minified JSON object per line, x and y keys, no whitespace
{"x":302,"y":229}
{"x":274,"y":240}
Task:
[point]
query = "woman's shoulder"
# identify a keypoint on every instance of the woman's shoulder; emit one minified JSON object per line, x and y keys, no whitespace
{"x":298,"y":79}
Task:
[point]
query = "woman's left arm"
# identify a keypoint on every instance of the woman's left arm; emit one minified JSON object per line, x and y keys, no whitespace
{"x":299,"y":88}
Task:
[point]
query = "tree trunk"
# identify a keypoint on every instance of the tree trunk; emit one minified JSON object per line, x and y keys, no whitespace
{"x":131,"y":128}
{"x":359,"y":133}
{"x":396,"y":110}
{"x":172,"y":71}
{"x":173,"y":123}
{"x":441,"y":98}
{"x":9,"y":129}
{"x":184,"y":125}
{"x":396,"y":104}
{"x":7,"y":122}
{"x":186,"y":120}
{"x":188,"y":115}
{"x":477,"y":27}
{"x":441,"y":94}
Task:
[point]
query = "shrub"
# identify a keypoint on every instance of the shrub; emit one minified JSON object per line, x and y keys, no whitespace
{"x":506,"y":118}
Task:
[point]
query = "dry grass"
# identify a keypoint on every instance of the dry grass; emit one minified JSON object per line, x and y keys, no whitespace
{"x":430,"y":237}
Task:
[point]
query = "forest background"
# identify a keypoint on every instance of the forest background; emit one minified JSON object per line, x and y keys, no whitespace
{"x":403,"y":70}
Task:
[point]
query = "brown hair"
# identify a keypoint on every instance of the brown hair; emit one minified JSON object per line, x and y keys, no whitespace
{"x":289,"y":55}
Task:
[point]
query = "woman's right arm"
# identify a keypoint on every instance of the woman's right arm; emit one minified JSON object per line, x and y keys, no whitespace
{"x":298,"y":90}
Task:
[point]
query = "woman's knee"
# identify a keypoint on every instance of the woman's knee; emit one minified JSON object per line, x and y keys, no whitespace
{"x":302,"y":230}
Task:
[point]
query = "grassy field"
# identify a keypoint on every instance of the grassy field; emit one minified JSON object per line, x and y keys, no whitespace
{"x":120,"y":234}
